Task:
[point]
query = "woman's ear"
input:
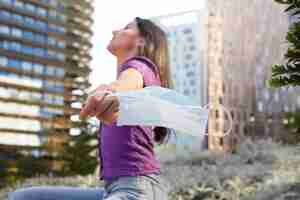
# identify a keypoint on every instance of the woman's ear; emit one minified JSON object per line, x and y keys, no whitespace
{"x":141,"y":42}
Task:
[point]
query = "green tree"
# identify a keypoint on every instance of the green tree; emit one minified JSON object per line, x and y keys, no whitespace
{"x":288,"y":74}
{"x":79,"y":153}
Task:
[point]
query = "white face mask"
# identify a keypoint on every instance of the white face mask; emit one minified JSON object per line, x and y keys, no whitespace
{"x":157,"y":106}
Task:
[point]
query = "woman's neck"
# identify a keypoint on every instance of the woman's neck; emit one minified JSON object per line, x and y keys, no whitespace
{"x":122,"y":58}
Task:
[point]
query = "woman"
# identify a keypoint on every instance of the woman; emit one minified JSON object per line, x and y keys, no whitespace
{"x":128,"y":164}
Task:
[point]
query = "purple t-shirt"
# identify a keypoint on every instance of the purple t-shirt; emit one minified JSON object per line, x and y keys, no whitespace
{"x":129,"y":150}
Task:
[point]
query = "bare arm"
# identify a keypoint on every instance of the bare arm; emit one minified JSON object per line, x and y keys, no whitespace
{"x":106,"y":108}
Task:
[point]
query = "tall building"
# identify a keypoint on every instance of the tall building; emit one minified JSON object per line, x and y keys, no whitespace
{"x":185,"y":33}
{"x":44,"y":67}
{"x":236,"y":48}
{"x":248,"y":43}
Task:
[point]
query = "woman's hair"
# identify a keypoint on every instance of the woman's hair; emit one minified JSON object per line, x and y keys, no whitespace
{"x":156,"y":49}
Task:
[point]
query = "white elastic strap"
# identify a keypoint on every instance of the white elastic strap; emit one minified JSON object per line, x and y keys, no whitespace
{"x":229,"y":117}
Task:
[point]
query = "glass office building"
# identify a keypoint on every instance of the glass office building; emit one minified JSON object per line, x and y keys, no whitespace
{"x":44,"y":68}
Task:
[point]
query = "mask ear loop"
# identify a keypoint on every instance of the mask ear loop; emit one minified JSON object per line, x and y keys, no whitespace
{"x":208,"y":106}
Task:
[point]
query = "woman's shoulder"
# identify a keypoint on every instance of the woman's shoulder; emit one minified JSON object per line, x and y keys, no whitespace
{"x":146,"y":67}
{"x":141,"y":60}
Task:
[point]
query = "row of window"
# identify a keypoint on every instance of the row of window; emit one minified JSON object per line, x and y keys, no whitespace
{"x":55,"y":3}
{"x":50,"y":112}
{"x":32,"y":67}
{"x":35,"y":37}
{"x":31,"y":96}
{"x":31,"y":22}
{"x":34,"y":9}
{"x":189,"y":92}
{"x":22,"y":124}
{"x":40,"y":52}
{"x":53,"y":86}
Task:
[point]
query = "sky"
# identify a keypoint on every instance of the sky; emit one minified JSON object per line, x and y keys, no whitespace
{"x":114,"y":14}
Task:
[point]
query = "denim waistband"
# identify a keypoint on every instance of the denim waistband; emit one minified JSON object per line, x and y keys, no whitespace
{"x":155,"y":178}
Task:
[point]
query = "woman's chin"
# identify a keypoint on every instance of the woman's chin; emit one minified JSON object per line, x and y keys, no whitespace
{"x":110,"y":49}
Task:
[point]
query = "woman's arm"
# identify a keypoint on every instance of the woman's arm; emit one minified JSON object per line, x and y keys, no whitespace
{"x":106,"y":108}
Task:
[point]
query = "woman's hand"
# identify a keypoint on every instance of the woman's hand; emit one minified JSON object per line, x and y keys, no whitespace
{"x":107,"y":111}
{"x":106,"y":108}
{"x":98,"y":104}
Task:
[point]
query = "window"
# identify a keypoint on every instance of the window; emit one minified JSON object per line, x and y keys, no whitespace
{"x":221,"y":141}
{"x":4,"y":29}
{"x":50,"y":71}
{"x":62,"y":17}
{"x":190,"y":39}
{"x":41,"y":11}
{"x":61,"y":29}
{"x":38,"y":68}
{"x":19,"y":4}
{"x":48,"y":98}
{"x":61,"y":56}
{"x":61,"y":44}
{"x":51,"y":41}
{"x":3,"y":61}
{"x":51,"y":54}
{"x":189,"y":74}
{"x":39,"y":52}
{"x":5,"y":14}
{"x":28,"y":35}
{"x":237,"y":128}
{"x":217,"y":126}
{"x":17,"y":18}
{"x":217,"y":114}
{"x":52,"y":14}
{"x":36,"y":96}
{"x":192,"y":82}
{"x":14,"y":63}
{"x":60,"y":72}
{"x":53,"y":3}
{"x":59,"y":100}
{"x":260,"y":106}
{"x":187,"y":31}
{"x":40,"y":38}
{"x":286,"y":108}
{"x":188,"y":56}
{"x":29,"y":21}
{"x":192,"y":48}
{"x":41,"y":25}
{"x":232,"y":114}
{"x":5,"y":45}
{"x":186,"y":92}
{"x":61,"y":7}
{"x":27,"y":49}
{"x":220,"y":100}
{"x":45,"y":1}
{"x":14,"y":46}
{"x":30,"y":7}
{"x":59,"y":87}
{"x":276,"y":96}
{"x":27,"y":66}
{"x":7,"y":1}
{"x":16,"y":32}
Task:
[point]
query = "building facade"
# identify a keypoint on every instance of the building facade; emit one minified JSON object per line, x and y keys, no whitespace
{"x":245,"y":43}
{"x":44,"y":68}
{"x":238,"y":42}
{"x":188,"y":70}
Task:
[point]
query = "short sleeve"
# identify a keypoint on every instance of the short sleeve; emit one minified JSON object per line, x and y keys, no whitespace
{"x":146,"y":68}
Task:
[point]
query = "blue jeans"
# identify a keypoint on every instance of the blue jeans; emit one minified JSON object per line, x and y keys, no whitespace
{"x":146,"y":187}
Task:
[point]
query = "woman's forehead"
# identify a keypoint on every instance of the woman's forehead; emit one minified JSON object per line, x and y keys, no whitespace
{"x":131,"y":24}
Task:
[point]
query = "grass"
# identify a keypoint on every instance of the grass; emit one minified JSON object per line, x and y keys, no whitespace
{"x":261,"y":170}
